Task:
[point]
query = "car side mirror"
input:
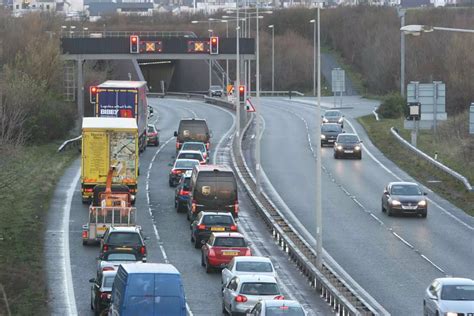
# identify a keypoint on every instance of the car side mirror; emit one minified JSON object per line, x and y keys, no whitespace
{"x":144,"y":260}
{"x":343,"y":131}
{"x":385,"y":192}
{"x":92,"y":280}
{"x":361,"y":141}
{"x":432,"y":297}
{"x":211,"y":134}
{"x":424,"y":193}
{"x":175,"y":134}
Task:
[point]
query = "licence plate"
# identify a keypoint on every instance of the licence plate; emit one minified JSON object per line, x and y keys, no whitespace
{"x":408,"y":207}
{"x":331,"y":140}
{"x":230,"y":253}
{"x":123,"y":248}
{"x":348,"y":151}
{"x":218,"y":229}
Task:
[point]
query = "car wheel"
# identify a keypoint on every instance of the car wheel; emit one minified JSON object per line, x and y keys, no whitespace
{"x":389,"y":211}
{"x":424,"y":214}
{"x":208,"y":267}
{"x":202,"y":260}
{"x":335,"y":155}
{"x":197,"y":243}
{"x":92,"y":304}
{"x":192,"y":237}
{"x":170,"y":183}
{"x":224,"y":311}
{"x":383,"y":209}
{"x":84,"y":242}
{"x":187,"y":216}
{"x":360,"y":156}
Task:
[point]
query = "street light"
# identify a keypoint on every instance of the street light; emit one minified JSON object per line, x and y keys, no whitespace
{"x":273,"y":56}
{"x":314,"y":56}
{"x":319,"y":217}
{"x":257,"y":104}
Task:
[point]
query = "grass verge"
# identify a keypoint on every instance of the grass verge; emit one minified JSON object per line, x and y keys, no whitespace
{"x":438,"y":181}
{"x":27,"y":179}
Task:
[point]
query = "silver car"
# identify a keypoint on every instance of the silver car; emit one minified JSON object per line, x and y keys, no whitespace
{"x":277,"y":307}
{"x":333,"y":116}
{"x":449,"y":297}
{"x":243,"y":292}
{"x":244,"y":265}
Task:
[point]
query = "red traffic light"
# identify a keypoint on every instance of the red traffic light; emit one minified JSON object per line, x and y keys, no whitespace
{"x":93,"y":94}
{"x":214,"y":43}
{"x":214,"y":40}
{"x":93,"y":89}
{"x":241,"y":93}
{"x":134,"y":44}
{"x":241,"y":88}
{"x":134,"y":39}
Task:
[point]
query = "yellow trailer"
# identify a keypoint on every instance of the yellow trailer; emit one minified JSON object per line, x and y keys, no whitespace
{"x":108,"y":142}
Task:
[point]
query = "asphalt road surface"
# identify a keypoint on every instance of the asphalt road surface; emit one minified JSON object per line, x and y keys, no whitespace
{"x":392,"y":258}
{"x":168,"y":231}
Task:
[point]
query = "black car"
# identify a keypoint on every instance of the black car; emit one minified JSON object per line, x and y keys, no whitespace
{"x":333,"y":116}
{"x":348,"y":145}
{"x":329,"y":133}
{"x":216,"y":91}
{"x":404,"y":198}
{"x":101,"y":290}
{"x":179,"y":168}
{"x":124,"y":239}
{"x":209,"y":222}
{"x":181,"y":195}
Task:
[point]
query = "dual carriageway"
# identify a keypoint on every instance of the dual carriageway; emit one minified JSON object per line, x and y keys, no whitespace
{"x":393,"y":259}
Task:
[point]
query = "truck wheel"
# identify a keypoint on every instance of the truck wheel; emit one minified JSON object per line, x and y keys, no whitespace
{"x":84,"y":242}
{"x":197,"y":243}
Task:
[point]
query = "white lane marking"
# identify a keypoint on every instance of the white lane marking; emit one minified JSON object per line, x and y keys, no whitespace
{"x":155,"y":229}
{"x":225,"y":136}
{"x":66,"y":262}
{"x":365,"y":209}
{"x":436,"y":266}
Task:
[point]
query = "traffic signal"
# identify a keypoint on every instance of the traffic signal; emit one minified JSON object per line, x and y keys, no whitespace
{"x":93,"y":94}
{"x":214,"y":45}
{"x":242,"y":93}
{"x":134,"y":44}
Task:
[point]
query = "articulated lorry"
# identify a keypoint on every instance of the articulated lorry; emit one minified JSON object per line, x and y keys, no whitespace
{"x":108,"y":143}
{"x":116,"y":98}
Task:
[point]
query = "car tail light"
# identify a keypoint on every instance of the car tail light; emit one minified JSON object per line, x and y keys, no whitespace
{"x":204,"y":155}
{"x":211,"y":253}
{"x":208,"y":145}
{"x":182,"y":192}
{"x":201,"y":226}
{"x":279,"y":297}
{"x":175,"y":171}
{"x":193,"y":206}
{"x":109,"y":268}
{"x":240,"y":299}
{"x":84,"y":234}
{"x":105,"y":248}
{"x":248,"y":253}
{"x":105,"y":296}
{"x":202,"y":162}
{"x":143,"y":250}
{"x":233,"y":228}
{"x":178,"y":145}
{"x":236,"y":207}
{"x":89,"y":190}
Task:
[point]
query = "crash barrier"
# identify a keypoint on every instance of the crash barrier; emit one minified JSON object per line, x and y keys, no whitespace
{"x":71,"y":143}
{"x":339,"y":292}
{"x":278,"y":93}
{"x":434,"y":162}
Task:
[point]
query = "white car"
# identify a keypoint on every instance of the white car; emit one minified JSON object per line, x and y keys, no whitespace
{"x":449,"y":297}
{"x":247,"y":265}
{"x":243,"y":292}
{"x":192,"y":154}
{"x":197,"y":146}
{"x":277,"y":307}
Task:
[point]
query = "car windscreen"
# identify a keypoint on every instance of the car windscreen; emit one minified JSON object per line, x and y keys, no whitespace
{"x":457,"y":293}
{"x":215,"y":88}
{"x":108,"y":281}
{"x":406,"y":190}
{"x":190,"y":156}
{"x":124,"y":239}
{"x":217,"y":220}
{"x":350,"y":139}
{"x":194,"y":146}
{"x":332,"y":113}
{"x":254,"y":266}
{"x":259,"y":288}
{"x":120,"y":257}
{"x":331,"y":128}
{"x":218,"y":188}
{"x":193,"y":130}
{"x":151,"y":129}
{"x":284,"y":311}
{"x":230,"y":242}
{"x":187,"y":183}
{"x":186,"y":164}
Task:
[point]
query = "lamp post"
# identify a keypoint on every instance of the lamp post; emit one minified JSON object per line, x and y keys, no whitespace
{"x":273,"y":57}
{"x":237,"y":75}
{"x":401,"y":14}
{"x":257,"y":105}
{"x":227,"y":60}
{"x":417,"y":30}
{"x":314,"y":56}
{"x":319,"y":217}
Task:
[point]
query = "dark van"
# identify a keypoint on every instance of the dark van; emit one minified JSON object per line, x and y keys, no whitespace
{"x":192,"y":130}
{"x":212,"y":188}
{"x":147,"y":289}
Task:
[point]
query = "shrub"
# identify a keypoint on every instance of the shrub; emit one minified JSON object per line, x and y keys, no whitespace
{"x":393,"y":106}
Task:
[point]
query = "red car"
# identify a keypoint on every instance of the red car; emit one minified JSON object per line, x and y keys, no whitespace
{"x":221,"y":248}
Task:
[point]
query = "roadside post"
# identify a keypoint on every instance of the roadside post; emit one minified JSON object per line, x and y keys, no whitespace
{"x":338,"y":85}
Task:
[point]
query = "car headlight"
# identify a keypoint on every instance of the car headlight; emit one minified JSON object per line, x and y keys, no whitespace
{"x":395,"y":203}
{"x":340,"y":120}
{"x":323,"y":136}
{"x":451,"y":314}
{"x":422,"y":203}
{"x":357,"y":147}
{"x":339,"y":147}
{"x":325,"y":120}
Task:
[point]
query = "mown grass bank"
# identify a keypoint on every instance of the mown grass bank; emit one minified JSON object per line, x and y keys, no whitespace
{"x":438,"y":181}
{"x":28,"y":177}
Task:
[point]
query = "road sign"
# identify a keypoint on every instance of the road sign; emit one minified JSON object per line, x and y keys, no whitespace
{"x":432,"y":99}
{"x":471,"y":119}
{"x":249,"y":106}
{"x":338,"y":76}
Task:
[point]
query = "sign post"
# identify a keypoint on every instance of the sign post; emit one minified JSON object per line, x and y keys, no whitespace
{"x":338,"y":76}
{"x":471,"y":119}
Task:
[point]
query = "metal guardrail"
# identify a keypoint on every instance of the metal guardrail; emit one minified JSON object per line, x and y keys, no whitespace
{"x":434,"y":162}
{"x":75,"y":142}
{"x":278,"y":93}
